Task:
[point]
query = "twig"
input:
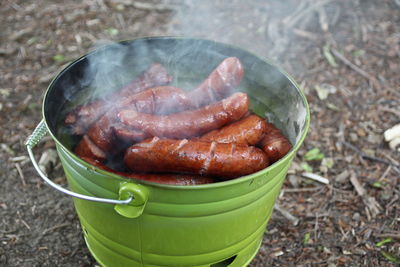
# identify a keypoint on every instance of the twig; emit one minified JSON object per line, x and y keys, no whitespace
{"x":355,"y":67}
{"x":7,"y":149}
{"x":55,"y":227}
{"x":291,"y":21}
{"x":20,"y":158}
{"x":344,"y":234}
{"x":302,"y":5}
{"x":305,"y":34}
{"x":391,"y":203}
{"x":395,"y":112}
{"x":385,"y":173}
{"x":359,"y":188}
{"x":307,"y":189}
{"x":366,"y":156}
{"x":392,"y":160}
{"x":26,"y":224}
{"x":315,"y":177}
{"x":121,"y":20}
{"x":323,"y":21}
{"x":151,"y":6}
{"x":372,"y":206}
{"x":395,"y":235}
{"x":316,"y":226}
{"x":287,"y":215}
{"x":21,"y":174}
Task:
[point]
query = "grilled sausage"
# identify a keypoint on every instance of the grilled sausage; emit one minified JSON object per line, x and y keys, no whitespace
{"x":247,"y":131}
{"x":220,"y":83}
{"x":274,"y":143}
{"x":171,"y":179}
{"x":194,"y":157}
{"x":101,"y":132}
{"x":127,"y":134}
{"x":158,"y":100}
{"x":87,"y":149}
{"x":189,"y":123}
{"x":156,"y":75}
{"x":85,"y":115}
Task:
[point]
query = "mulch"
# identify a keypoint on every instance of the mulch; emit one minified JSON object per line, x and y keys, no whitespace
{"x":345,"y":55}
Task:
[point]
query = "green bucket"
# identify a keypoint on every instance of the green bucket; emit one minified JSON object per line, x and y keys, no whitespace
{"x":149,"y":224}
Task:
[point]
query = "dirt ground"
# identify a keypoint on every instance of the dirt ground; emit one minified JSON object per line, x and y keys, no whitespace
{"x":344,"y":54}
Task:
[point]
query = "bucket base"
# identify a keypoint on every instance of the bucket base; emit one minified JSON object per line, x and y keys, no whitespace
{"x":100,"y":252}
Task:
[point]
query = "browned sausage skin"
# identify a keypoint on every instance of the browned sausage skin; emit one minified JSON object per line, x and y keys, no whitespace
{"x":158,"y":100}
{"x":274,"y":143}
{"x":195,"y":157}
{"x":171,"y":179}
{"x":220,"y":83}
{"x":87,"y":149}
{"x":127,"y":134}
{"x":189,"y":123}
{"x":101,"y":132}
{"x":247,"y":131}
{"x":156,"y":75}
{"x":85,"y":115}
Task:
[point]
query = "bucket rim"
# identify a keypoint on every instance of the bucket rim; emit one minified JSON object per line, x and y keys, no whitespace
{"x":225,"y":183}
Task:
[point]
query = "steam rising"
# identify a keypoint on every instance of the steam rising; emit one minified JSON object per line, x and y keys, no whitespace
{"x":267,"y":28}
{"x":264,"y":27}
{"x":106,"y":70}
{"x":254,"y":25}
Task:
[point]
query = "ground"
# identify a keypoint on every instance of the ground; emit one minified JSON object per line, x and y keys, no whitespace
{"x":344,"y":54}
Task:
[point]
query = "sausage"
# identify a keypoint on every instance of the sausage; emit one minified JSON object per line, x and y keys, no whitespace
{"x":274,"y":143}
{"x":189,"y":123}
{"x":127,"y":134}
{"x":158,"y":100}
{"x":194,"y":157}
{"x":101,"y":132}
{"x":171,"y":179}
{"x":85,"y":115}
{"x":87,"y":149}
{"x":247,"y":131}
{"x":220,"y":83}
{"x":156,"y":75}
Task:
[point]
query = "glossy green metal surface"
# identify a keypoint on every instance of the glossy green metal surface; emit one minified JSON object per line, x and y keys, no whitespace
{"x":189,"y":225}
{"x":192,"y":227}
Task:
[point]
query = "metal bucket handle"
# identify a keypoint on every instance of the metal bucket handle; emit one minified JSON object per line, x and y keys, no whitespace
{"x":130,"y":193}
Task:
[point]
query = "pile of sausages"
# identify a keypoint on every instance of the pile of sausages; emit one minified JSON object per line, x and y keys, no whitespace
{"x":176,"y":137}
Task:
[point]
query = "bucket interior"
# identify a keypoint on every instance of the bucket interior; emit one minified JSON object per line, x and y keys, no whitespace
{"x":273,"y":94}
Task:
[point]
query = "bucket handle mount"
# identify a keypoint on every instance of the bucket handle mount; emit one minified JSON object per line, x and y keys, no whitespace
{"x":39,"y":132}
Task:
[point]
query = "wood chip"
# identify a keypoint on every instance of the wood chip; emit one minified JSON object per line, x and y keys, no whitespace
{"x":395,"y":143}
{"x":19,"y":34}
{"x":357,"y":186}
{"x":48,"y":160}
{"x":7,"y":149}
{"x":21,"y":174}
{"x":392,"y":133}
{"x":342,"y":177}
{"x":372,"y":206}
{"x":287,"y":215}
{"x":315,"y":177}
{"x":20,"y":158}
